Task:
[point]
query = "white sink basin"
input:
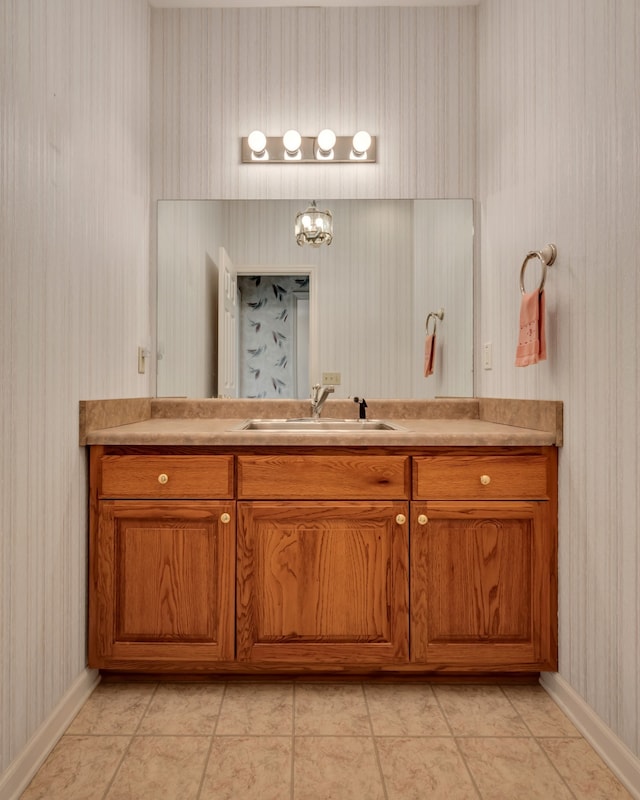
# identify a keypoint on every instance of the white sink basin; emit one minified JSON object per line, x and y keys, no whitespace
{"x":311,"y":425}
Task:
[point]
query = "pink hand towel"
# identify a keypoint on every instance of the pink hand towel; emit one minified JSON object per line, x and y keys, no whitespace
{"x":429,"y":354}
{"x":532,"y":346}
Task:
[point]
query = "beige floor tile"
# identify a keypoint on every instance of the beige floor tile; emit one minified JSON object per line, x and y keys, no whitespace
{"x":405,"y":710}
{"x":167,"y":767}
{"x":582,"y":768}
{"x":331,"y":709}
{"x":505,"y":769}
{"x":450,"y":741}
{"x":249,"y":768}
{"x":336,"y":768}
{"x":479,"y":711}
{"x":113,"y":708}
{"x":541,"y":715}
{"x":78,"y":768}
{"x":419,"y":768}
{"x":183,"y":709}
{"x":256,"y":709}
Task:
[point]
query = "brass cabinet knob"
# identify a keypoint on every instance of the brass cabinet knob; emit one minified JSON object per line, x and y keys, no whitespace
{"x":163,"y":478}
{"x":225,"y":518}
{"x":485,"y":480}
{"x":401,"y":519}
{"x":423,"y":519}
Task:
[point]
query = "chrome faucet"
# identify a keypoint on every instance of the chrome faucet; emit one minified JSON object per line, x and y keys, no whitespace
{"x":318,"y":396}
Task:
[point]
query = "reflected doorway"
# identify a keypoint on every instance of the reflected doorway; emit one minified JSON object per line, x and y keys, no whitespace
{"x":273,"y":336}
{"x":267,"y":347}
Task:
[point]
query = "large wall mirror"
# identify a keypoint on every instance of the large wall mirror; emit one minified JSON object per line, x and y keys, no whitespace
{"x":356,"y":309}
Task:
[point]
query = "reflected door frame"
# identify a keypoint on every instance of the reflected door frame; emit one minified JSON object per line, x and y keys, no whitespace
{"x":305,"y":270}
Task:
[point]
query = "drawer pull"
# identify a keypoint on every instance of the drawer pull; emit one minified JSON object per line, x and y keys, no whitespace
{"x":485,"y":480}
{"x":401,"y":519}
{"x":225,"y":518}
{"x":163,"y":478}
{"x":423,"y":519}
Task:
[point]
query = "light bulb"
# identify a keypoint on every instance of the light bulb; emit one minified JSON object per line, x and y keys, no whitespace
{"x":292,"y":141}
{"x":361,"y":143}
{"x":326,"y":141}
{"x":257,"y":141}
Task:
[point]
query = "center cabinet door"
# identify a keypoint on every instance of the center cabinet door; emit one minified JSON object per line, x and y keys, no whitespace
{"x":322,"y":583}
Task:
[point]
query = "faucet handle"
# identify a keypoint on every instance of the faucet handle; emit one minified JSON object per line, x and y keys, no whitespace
{"x":363,"y":405}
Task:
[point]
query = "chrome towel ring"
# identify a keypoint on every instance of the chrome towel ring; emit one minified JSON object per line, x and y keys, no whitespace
{"x":433,"y":315}
{"x":547,"y":256}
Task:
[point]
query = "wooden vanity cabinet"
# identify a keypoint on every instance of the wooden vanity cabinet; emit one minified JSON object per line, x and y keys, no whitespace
{"x":423,"y":561}
{"x":483,"y":561}
{"x":323,"y":580}
{"x":162,"y":561}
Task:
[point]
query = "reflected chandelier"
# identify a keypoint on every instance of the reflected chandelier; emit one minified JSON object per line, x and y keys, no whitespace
{"x":313,"y":226}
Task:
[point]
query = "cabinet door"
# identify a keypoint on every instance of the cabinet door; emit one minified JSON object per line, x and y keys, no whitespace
{"x":162,"y":585}
{"x":322,"y":583}
{"x":483,"y":586}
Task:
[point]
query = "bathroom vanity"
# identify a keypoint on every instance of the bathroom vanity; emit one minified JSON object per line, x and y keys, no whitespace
{"x":429,"y":550}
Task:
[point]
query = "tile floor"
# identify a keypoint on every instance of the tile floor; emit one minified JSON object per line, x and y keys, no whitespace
{"x":321,"y":741}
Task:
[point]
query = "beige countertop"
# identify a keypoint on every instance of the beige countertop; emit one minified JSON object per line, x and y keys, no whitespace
{"x":442,"y":422}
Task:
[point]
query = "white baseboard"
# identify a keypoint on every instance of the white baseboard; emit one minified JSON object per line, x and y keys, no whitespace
{"x":16,"y":779}
{"x":620,"y":760}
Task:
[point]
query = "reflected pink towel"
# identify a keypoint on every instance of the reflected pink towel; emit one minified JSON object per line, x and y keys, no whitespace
{"x":532,"y":346}
{"x":429,"y":354}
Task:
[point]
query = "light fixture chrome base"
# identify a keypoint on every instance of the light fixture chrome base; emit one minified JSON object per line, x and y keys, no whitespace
{"x":310,"y":153}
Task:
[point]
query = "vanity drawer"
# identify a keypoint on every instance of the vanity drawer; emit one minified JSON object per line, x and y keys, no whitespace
{"x":308,"y":477}
{"x":480,"y":477}
{"x":166,"y":476}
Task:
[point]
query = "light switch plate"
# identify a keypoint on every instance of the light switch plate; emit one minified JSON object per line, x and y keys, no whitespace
{"x":331,"y":378}
{"x":487,"y":355}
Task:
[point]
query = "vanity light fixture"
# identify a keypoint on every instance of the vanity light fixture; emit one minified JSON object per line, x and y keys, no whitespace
{"x":313,"y":226}
{"x":293,"y":148}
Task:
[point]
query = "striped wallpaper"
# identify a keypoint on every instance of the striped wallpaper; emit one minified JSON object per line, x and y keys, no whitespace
{"x":559,"y":161}
{"x":405,"y":74}
{"x":541,"y":96}
{"x":74,"y":251}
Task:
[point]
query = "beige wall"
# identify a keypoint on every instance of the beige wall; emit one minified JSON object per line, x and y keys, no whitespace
{"x":405,"y":74}
{"x":74,"y":216}
{"x":558,"y":161}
